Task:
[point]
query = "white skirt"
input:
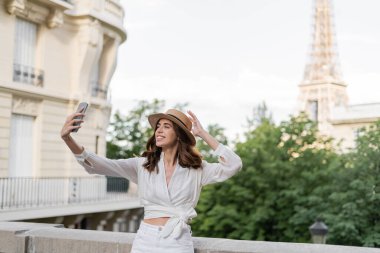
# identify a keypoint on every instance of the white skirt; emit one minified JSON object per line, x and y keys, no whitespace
{"x":148,"y":240}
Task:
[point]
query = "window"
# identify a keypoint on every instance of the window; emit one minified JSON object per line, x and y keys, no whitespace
{"x":24,"y":70}
{"x":97,"y":144}
{"x":21,"y":146}
{"x":103,"y":68}
{"x":313,"y":109}
{"x":97,"y":89}
{"x":94,"y":81}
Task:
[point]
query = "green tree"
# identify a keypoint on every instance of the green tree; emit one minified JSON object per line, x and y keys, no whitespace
{"x":128,"y":134}
{"x":280,"y":190}
{"x":354,"y":216}
{"x":309,"y":163}
{"x":225,"y":210}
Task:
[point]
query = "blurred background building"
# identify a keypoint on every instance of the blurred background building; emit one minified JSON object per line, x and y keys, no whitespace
{"x":323,"y":93}
{"x":54,"y":55}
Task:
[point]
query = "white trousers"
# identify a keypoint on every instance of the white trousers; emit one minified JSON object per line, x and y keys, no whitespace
{"x":148,"y":240}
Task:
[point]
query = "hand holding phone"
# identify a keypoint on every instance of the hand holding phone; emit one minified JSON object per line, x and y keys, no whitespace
{"x":82,"y":107}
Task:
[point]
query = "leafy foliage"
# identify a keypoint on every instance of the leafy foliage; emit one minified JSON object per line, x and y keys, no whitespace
{"x":278,"y":194}
{"x":129,"y":134}
{"x":355,"y":198}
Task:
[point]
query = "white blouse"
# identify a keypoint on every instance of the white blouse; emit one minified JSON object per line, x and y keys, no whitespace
{"x":176,"y":200}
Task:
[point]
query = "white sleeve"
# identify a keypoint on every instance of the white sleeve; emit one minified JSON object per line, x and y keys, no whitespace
{"x":229,"y":164}
{"x":95,"y":164}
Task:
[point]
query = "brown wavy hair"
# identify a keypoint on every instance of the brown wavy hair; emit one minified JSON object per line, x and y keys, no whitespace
{"x":188,"y":156}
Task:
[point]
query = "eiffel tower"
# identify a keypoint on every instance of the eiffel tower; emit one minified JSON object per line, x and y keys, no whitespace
{"x":322,"y":87}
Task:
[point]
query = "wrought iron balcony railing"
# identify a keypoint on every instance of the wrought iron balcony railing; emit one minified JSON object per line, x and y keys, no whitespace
{"x":28,"y":75}
{"x":24,"y":193}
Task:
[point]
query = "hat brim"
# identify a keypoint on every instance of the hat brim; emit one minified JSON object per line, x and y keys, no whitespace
{"x":154,"y":118}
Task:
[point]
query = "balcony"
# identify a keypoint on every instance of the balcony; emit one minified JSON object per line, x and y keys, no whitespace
{"x":33,"y":198}
{"x":110,"y":12}
{"x":114,"y":9}
{"x":21,"y":237}
{"x":28,"y":75}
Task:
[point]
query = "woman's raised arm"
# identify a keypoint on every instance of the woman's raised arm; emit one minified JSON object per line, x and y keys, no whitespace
{"x":66,"y":131}
{"x":199,"y":131}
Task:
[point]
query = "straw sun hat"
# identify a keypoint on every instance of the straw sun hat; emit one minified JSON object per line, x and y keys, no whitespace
{"x":177,"y":117}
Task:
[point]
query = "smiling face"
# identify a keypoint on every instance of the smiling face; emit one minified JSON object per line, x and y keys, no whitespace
{"x":165,"y":134}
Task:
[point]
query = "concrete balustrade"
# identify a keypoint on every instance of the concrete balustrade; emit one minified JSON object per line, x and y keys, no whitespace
{"x":21,"y":237}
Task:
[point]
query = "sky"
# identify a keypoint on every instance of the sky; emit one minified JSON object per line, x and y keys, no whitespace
{"x":225,"y":57}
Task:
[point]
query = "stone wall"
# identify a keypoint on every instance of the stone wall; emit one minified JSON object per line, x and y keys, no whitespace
{"x":19,"y":237}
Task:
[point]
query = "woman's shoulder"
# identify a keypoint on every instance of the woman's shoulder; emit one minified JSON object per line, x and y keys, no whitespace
{"x":139,"y":159}
{"x":136,"y":161}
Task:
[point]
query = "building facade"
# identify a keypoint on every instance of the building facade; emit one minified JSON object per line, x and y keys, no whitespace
{"x":55,"y":54}
{"x":323,"y":93}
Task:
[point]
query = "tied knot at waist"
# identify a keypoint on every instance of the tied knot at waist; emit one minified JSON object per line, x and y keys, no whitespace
{"x":177,"y":223}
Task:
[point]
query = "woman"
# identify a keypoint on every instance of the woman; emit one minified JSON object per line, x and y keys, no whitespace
{"x":169,"y":175}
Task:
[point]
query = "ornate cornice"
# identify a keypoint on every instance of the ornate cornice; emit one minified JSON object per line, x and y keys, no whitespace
{"x":49,"y":12}
{"x":26,"y":106}
{"x":55,"y":18}
{"x":15,"y":6}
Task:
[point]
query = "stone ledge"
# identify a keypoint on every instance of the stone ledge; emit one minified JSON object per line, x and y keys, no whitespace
{"x":13,"y":235}
{"x":21,"y":237}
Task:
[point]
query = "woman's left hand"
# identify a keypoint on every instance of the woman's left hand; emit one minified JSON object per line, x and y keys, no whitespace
{"x":197,"y":127}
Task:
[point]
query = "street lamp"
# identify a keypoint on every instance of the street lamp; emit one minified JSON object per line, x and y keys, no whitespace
{"x":319,"y":232}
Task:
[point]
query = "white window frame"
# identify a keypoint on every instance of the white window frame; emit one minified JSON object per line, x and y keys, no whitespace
{"x":22,"y":155}
{"x":313,"y":109}
{"x":25,"y":53}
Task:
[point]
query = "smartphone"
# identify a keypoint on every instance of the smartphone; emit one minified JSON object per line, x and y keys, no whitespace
{"x":82,"y":107}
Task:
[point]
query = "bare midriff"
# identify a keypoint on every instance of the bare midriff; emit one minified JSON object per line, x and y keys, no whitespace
{"x":161,"y":221}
